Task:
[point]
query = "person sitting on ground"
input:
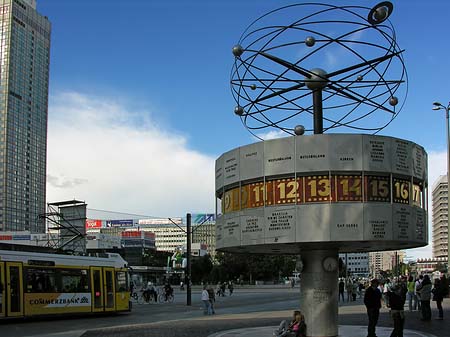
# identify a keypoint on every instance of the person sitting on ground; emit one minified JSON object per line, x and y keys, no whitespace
{"x":297,"y":327}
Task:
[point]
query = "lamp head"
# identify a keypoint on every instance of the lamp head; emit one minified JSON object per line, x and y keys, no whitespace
{"x":436,"y":107}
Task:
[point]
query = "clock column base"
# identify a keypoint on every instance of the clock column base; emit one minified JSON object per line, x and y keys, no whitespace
{"x":319,"y":292}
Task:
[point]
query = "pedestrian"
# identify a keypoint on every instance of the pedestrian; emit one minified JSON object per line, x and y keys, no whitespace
{"x":205,"y":301}
{"x":223,"y":287}
{"x":438,"y":296}
{"x":424,"y":290}
{"x":212,"y":299}
{"x":444,"y":284}
{"x":386,"y":287}
{"x":341,"y":290}
{"x":397,"y":298}
{"x":418,"y":282}
{"x":219,"y":289}
{"x":372,"y":301}
{"x":349,"y":288}
{"x":354,"y":290}
{"x":411,"y":286}
{"x":360,"y":289}
{"x":230,"y":287}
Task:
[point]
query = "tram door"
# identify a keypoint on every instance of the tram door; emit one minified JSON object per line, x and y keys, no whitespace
{"x":14,"y":289}
{"x":97,"y":289}
{"x":109,"y":291}
{"x":2,"y":289}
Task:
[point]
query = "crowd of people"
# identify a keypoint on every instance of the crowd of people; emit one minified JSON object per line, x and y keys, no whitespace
{"x":416,"y":293}
{"x":150,"y":291}
{"x":393,"y":295}
{"x":208,"y":295}
{"x":353,"y":287}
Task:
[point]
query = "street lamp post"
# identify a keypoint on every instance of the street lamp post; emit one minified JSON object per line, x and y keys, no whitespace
{"x":439,"y":106}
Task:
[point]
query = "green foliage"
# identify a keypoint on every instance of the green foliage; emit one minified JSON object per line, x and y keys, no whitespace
{"x":155,"y":258}
{"x":201,"y":267}
{"x":442,"y":267}
{"x":251,"y":267}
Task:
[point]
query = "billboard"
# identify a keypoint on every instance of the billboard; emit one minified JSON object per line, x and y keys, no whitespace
{"x":163,"y":221}
{"x":91,"y":223}
{"x":203,"y":218}
{"x":119,"y":223}
{"x":138,"y":239}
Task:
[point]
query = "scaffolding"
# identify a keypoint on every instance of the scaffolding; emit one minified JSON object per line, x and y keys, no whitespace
{"x":65,"y":223}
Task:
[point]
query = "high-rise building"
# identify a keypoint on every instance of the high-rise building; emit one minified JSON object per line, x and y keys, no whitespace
{"x":204,"y":231}
{"x":385,"y":261}
{"x":357,"y":264}
{"x":24,"y":75}
{"x":440,"y":218}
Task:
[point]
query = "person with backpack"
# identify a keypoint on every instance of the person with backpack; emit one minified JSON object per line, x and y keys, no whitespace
{"x":439,"y":292}
{"x":424,"y":290}
{"x":397,"y":297}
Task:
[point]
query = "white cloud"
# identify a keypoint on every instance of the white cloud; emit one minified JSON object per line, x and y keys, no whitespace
{"x":114,"y":158}
{"x":273,"y":134}
{"x":437,"y":165}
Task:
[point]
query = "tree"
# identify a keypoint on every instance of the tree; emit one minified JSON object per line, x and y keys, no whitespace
{"x":201,"y":268}
{"x":442,"y":267}
{"x":252,"y":267}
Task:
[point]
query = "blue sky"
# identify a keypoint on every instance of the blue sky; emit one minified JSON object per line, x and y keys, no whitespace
{"x":140,"y":101}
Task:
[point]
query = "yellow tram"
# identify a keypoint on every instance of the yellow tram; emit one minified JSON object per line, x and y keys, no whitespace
{"x":33,"y":284}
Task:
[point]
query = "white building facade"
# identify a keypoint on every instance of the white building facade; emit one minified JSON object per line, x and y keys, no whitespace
{"x":440,"y":218}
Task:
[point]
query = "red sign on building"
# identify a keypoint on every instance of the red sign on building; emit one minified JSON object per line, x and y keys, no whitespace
{"x":90,"y":223}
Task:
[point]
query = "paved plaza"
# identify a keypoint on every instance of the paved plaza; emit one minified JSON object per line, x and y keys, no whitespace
{"x":352,"y":320}
{"x":250,"y":312}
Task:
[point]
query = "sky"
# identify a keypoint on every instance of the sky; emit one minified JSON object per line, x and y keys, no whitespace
{"x":140,"y":105}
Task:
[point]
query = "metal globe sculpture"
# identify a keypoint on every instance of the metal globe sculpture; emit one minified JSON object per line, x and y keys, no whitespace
{"x":319,"y":67}
{"x":341,"y":64}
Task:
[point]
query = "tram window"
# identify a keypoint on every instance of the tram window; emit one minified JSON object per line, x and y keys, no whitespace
{"x":122,"y":281}
{"x":41,"y":280}
{"x":74,"y":280}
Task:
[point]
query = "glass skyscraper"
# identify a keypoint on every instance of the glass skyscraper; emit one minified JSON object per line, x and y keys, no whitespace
{"x":24,"y":75}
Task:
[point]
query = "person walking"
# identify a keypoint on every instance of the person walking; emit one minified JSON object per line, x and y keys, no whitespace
{"x":230,"y":287}
{"x":438,"y":296}
{"x":411,"y":286}
{"x":212,"y":299}
{"x":205,"y":301}
{"x":341,"y":290}
{"x":386,"y":287}
{"x":397,"y":298}
{"x":360,"y":289}
{"x":354,"y":290}
{"x":418,"y":282}
{"x":349,"y":288}
{"x":424,"y":290}
{"x":372,"y":301}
